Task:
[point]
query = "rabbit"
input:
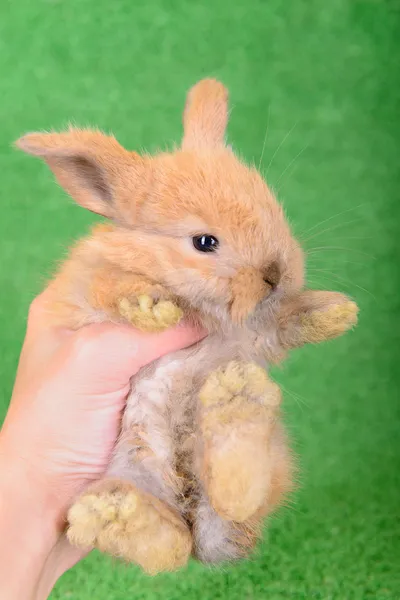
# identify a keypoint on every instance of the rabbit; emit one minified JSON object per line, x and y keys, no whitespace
{"x":202,"y":458}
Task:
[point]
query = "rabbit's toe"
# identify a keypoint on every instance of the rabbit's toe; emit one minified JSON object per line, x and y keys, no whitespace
{"x":146,"y":314}
{"x":243,"y":380}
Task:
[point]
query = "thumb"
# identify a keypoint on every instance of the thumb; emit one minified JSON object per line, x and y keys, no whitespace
{"x":105,"y":356}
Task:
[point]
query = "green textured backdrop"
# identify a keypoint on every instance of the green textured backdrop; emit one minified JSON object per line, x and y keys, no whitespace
{"x":324,"y":78}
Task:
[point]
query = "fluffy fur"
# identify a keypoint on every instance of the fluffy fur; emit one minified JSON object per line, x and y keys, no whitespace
{"x":202,"y":457}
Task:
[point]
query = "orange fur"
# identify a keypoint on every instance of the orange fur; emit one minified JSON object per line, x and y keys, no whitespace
{"x":238,"y":418}
{"x":124,"y":521}
{"x":143,"y":268}
{"x":206,"y":116}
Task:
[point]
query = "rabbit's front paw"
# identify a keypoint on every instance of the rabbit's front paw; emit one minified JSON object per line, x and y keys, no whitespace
{"x":119,"y":519}
{"x":238,"y":413}
{"x":148,"y":314}
{"x":329,"y":322}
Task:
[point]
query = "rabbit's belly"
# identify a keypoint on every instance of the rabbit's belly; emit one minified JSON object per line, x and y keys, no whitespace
{"x":146,"y":450}
{"x":164,"y":395}
{"x":160,"y":419}
{"x":149,"y":406}
{"x":163,"y":403}
{"x":166,"y":389}
{"x":157,"y":447}
{"x":153,"y":392}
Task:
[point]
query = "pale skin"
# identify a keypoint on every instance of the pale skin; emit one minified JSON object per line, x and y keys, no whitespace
{"x":58,"y":435}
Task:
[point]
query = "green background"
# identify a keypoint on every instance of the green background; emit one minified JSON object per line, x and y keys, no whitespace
{"x":322,"y":78}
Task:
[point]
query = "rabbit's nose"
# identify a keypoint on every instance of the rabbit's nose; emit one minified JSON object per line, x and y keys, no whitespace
{"x":272,"y":275}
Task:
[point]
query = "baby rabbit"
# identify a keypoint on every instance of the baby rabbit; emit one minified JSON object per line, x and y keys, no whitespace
{"x":202,"y":457}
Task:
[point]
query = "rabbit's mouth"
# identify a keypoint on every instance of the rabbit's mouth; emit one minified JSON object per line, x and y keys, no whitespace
{"x":250,"y":288}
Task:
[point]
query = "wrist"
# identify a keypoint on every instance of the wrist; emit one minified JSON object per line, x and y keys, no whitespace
{"x":30,"y":527}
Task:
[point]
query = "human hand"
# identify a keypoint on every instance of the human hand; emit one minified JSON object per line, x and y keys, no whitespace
{"x":58,"y":435}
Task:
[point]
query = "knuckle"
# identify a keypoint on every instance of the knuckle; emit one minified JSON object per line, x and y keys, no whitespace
{"x":36,"y":309}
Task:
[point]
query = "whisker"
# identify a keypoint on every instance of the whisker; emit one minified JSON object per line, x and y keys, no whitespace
{"x":265,"y":137}
{"x":322,"y":248}
{"x":318,"y":257}
{"x":328,"y":229}
{"x":345,"y":281}
{"x":320,"y":280}
{"x":299,"y":399}
{"x":334,"y":217}
{"x":280,"y":146}
{"x":289,"y":165}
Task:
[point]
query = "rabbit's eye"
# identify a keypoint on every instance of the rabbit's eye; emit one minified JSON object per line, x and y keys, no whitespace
{"x":205,"y":243}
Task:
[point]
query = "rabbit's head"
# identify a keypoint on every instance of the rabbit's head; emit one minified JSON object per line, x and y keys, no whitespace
{"x":197,"y":220}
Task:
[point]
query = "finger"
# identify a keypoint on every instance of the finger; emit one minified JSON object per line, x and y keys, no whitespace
{"x":42,"y":339}
{"x":153,"y":347}
{"x":38,"y":315}
{"x":104,"y":357}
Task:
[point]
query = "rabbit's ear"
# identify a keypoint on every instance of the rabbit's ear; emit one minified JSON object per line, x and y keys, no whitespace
{"x":206,"y":115}
{"x":91,"y":166}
